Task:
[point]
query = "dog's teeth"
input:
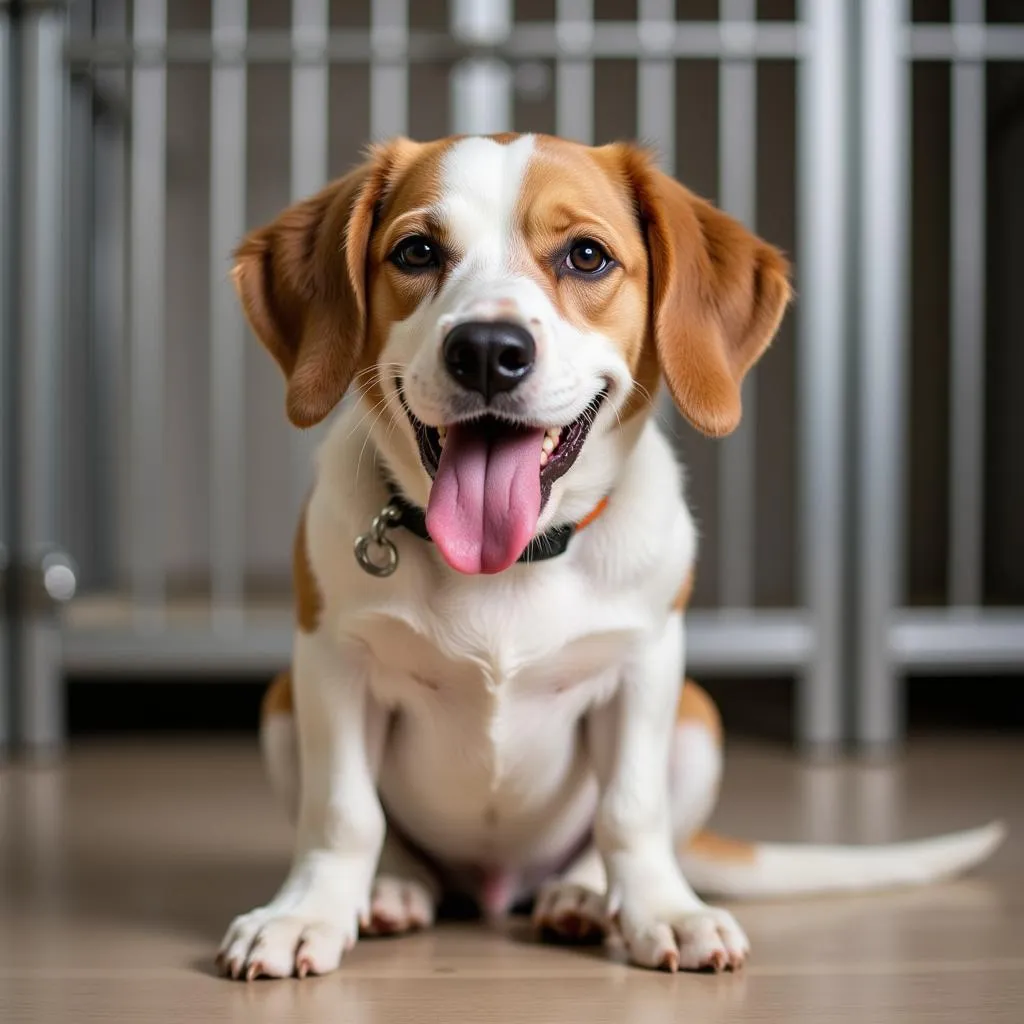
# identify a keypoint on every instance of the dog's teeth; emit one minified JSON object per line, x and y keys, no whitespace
{"x":549,"y":444}
{"x":543,"y":457}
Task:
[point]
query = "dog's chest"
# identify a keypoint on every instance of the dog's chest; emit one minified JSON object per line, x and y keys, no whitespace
{"x":488,"y":685}
{"x":494,"y":641}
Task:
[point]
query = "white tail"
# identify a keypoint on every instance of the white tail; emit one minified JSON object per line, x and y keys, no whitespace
{"x":792,"y":870}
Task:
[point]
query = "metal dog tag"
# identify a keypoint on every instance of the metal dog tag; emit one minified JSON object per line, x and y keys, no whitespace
{"x":375,"y":552}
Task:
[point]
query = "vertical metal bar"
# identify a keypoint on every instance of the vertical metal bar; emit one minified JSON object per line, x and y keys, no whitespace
{"x":656,"y":105}
{"x":40,"y":348}
{"x":109,"y":307}
{"x":884,"y":161}
{"x":147,"y":325}
{"x":79,"y":439}
{"x":310,"y":77}
{"x":7,"y":264}
{"x":574,"y":75}
{"x":481,"y":88}
{"x":389,"y":72}
{"x":656,"y":80}
{"x":227,"y":329}
{"x":821,"y":339}
{"x":737,"y":169}
{"x":967,"y":315}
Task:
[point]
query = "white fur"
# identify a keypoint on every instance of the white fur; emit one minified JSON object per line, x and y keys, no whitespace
{"x":497,"y":718}
{"x":783,"y":870}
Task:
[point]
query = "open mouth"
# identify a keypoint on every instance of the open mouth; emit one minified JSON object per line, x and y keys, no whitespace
{"x":492,"y":477}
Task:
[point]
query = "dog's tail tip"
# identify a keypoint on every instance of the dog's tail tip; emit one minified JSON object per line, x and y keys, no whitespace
{"x":774,"y":869}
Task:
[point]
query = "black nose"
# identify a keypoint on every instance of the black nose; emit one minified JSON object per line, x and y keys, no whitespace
{"x":489,"y":356}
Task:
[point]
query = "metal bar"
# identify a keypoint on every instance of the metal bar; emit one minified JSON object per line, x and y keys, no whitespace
{"x":309,"y":96}
{"x":481,"y":87}
{"x":574,"y":72}
{"x":949,"y":42}
{"x":389,"y":72}
{"x":737,"y":170}
{"x":656,"y":80}
{"x":7,"y":265}
{"x":766,"y":643}
{"x":310,"y":79}
{"x":959,"y":639}
{"x":525,"y":41}
{"x":147,"y":328}
{"x":967,"y":319}
{"x":40,"y":349}
{"x":884,"y":152}
{"x":109,"y":307}
{"x":227,"y":329}
{"x":79,"y":440}
{"x":821,"y":355}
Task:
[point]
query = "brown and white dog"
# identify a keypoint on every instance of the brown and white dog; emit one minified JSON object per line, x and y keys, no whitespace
{"x":489,"y":698}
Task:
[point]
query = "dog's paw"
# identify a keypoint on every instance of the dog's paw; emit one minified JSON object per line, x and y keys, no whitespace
{"x":398,"y":905}
{"x":271,"y":943}
{"x":701,"y":939}
{"x":306,"y":929}
{"x":566,"y":912}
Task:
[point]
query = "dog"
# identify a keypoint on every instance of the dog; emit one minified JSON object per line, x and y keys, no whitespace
{"x":492,"y":568}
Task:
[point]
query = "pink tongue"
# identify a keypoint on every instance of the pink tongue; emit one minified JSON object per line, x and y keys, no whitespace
{"x":485,"y":501}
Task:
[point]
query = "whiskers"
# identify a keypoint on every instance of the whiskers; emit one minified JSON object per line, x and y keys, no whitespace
{"x":389,"y":403}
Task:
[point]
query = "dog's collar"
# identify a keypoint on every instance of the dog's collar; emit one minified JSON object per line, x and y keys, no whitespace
{"x":400,"y":512}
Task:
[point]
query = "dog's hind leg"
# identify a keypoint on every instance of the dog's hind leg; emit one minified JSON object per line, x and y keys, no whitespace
{"x":695,"y":762}
{"x":571,"y":908}
{"x":405,"y":894}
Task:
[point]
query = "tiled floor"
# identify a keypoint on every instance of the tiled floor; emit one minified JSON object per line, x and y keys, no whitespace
{"x":120,"y":869}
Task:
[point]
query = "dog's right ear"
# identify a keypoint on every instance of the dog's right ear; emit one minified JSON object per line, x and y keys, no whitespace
{"x":302,"y":283}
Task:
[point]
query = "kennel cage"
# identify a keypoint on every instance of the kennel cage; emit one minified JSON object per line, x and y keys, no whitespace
{"x":156,"y":479}
{"x":967,"y":618}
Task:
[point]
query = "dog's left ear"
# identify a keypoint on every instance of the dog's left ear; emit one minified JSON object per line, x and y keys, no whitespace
{"x":718,"y":294}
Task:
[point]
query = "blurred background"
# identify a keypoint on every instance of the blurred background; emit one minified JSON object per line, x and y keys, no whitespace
{"x":862,"y":569}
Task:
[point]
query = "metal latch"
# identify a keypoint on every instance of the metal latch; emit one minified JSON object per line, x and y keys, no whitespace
{"x":41,"y":587}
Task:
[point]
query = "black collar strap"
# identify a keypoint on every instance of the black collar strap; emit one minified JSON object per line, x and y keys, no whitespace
{"x":550,"y":544}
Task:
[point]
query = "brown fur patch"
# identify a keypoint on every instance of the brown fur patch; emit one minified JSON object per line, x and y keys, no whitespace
{"x":696,"y":707}
{"x":718,"y":292}
{"x":566,"y":196}
{"x":303,"y":281}
{"x":684,"y":593}
{"x":709,"y":846}
{"x":393,"y":296}
{"x":278,"y":697}
{"x":308,"y":600}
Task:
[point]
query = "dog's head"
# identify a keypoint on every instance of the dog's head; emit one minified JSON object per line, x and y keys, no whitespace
{"x":508,"y":304}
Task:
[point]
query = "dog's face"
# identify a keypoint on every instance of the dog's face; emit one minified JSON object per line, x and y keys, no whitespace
{"x":504,"y":303}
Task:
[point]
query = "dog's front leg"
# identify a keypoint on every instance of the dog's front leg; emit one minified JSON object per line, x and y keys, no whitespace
{"x":663,"y":922}
{"x":316,"y":914}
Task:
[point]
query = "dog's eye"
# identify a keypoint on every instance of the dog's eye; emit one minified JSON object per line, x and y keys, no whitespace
{"x":587,"y":257}
{"x":415,"y":254}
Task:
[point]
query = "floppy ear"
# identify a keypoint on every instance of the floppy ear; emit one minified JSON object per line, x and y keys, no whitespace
{"x":302,"y":283}
{"x":718,"y":294}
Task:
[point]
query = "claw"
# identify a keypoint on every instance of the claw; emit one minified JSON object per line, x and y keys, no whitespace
{"x":303,"y":967}
{"x":718,"y":961}
{"x":254,"y":971}
{"x":235,"y":969}
{"x":669,"y":962}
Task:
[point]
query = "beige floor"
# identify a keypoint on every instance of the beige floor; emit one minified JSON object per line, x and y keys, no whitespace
{"x":119,"y":870}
